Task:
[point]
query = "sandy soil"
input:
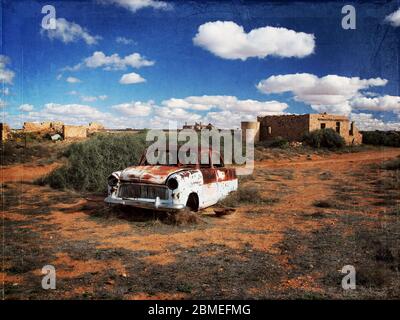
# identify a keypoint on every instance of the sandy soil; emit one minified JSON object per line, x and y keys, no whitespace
{"x":291,"y":248}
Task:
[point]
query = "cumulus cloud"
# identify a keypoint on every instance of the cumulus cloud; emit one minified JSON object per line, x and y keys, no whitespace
{"x":131,"y":78}
{"x":139,"y":109}
{"x":124,"y":40}
{"x":366,"y":121}
{"x":223,"y":111}
{"x":393,"y":18}
{"x":73,"y":80}
{"x":26,"y":107}
{"x":232,"y":103}
{"x":135,"y":5}
{"x":331,"y":93}
{"x":112,"y":62}
{"x":67,"y":32}
{"x":6,"y":75}
{"x":75,"y":110}
{"x":379,"y":103}
{"x":228,"y":40}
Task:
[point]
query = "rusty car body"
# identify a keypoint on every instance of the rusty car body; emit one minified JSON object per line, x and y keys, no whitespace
{"x":172,"y":187}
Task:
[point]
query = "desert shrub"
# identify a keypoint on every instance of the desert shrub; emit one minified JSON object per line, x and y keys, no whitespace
{"x":324,"y":138}
{"x":182,"y":218}
{"x":381,"y":138}
{"x":246,"y":195}
{"x":12,"y":152}
{"x":90,"y":162}
{"x":393,"y":164}
{"x":279,"y":142}
{"x":323,"y":204}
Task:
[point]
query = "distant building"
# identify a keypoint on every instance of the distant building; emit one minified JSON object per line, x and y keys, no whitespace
{"x":4,"y":131}
{"x":198,"y":126}
{"x":293,"y":127}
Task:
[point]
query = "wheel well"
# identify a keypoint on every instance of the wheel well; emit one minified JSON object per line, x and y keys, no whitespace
{"x":193,"y":202}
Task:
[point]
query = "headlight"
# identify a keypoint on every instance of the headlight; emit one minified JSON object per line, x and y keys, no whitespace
{"x":112,"y":181}
{"x":172,"y":184}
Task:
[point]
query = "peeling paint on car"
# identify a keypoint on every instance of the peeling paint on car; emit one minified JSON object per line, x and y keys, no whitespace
{"x":150,"y":187}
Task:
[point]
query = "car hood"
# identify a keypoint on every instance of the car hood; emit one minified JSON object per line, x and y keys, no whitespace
{"x":148,"y":174}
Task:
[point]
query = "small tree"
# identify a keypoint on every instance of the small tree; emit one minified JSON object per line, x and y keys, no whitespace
{"x":324,"y":138}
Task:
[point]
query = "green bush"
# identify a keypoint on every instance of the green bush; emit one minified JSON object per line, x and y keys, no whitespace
{"x":324,"y":138}
{"x":382,"y":138}
{"x":90,"y":162}
{"x":279,"y":142}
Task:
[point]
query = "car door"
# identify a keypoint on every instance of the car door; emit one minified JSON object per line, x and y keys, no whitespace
{"x":210,"y":191}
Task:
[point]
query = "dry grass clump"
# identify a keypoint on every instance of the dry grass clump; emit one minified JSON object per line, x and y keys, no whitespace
{"x":393,"y":164}
{"x":182,"y":218}
{"x":247,"y":195}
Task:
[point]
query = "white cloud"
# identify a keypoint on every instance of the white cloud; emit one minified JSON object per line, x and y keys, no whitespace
{"x":26,"y":107}
{"x":2,"y":103}
{"x":70,"y":32}
{"x":394,"y":18}
{"x":5,"y":91}
{"x":88,"y":98}
{"x":124,"y":40}
{"x":77,"y":110}
{"x":73,"y":80}
{"x":73,"y":93}
{"x":135,"y":5}
{"x":131,"y":78}
{"x":228,"y":40}
{"x":6,"y":75}
{"x":93,"y":98}
{"x":366,"y":121}
{"x":379,"y":103}
{"x":223,"y":111}
{"x":232,"y":103}
{"x":112,"y":62}
{"x":330,"y":93}
{"x":139,"y":109}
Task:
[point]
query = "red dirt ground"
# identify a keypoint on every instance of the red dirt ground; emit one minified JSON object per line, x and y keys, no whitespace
{"x":257,"y":252}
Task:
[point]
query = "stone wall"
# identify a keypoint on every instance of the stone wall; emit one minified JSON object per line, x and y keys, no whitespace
{"x":36,"y":126}
{"x":340,"y":124}
{"x":290,"y":127}
{"x":74,"y":132}
{"x":95,"y":127}
{"x":293,"y":127}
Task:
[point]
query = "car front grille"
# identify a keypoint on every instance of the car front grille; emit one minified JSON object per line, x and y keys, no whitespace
{"x":145,"y":191}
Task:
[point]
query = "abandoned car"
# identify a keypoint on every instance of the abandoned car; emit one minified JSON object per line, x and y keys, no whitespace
{"x":172,"y":187}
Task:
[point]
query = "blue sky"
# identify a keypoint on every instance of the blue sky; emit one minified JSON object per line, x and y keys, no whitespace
{"x":140,"y":63}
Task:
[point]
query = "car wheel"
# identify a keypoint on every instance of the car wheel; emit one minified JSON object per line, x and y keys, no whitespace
{"x":193,"y":202}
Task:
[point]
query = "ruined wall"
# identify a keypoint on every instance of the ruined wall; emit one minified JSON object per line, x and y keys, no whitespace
{"x":340,"y":124}
{"x":357,"y":136}
{"x":73,"y":132}
{"x":255,"y":125}
{"x":4,"y":131}
{"x":95,"y":127}
{"x":57,"y":126}
{"x":290,"y":127}
{"x":36,"y":126}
